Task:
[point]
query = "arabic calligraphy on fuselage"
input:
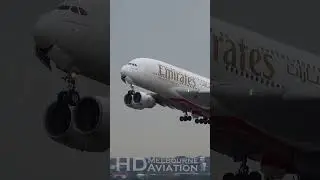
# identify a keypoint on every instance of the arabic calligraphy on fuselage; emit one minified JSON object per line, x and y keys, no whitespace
{"x":303,"y":71}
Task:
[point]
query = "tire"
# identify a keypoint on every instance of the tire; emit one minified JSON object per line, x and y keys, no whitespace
{"x":63,"y":97}
{"x":254,"y":175}
{"x":228,"y":176}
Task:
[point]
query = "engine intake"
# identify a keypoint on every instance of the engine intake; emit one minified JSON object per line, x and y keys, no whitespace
{"x":139,"y":100}
{"x":58,"y":124}
{"x":87,"y":131}
{"x":92,"y":119}
{"x":57,"y":119}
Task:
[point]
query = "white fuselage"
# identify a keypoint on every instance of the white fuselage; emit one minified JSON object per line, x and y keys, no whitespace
{"x":165,"y":79}
{"x":245,"y":57}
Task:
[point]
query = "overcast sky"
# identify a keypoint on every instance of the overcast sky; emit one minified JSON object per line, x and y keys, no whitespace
{"x":176,"y":32}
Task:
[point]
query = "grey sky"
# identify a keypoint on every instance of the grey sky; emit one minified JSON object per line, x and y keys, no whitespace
{"x":176,"y":32}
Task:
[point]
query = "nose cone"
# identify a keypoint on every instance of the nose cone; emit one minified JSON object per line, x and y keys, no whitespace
{"x":42,"y":31}
{"x":123,"y":73}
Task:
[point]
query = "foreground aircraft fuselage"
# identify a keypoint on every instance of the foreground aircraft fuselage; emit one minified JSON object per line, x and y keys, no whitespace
{"x":75,"y":38}
{"x":272,"y":93}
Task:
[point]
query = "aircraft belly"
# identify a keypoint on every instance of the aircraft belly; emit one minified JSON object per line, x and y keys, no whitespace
{"x":288,"y":124}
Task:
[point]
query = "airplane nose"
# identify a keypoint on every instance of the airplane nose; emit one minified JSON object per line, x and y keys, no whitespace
{"x":122,"y":73}
{"x":41,"y":32}
{"x":43,"y":39}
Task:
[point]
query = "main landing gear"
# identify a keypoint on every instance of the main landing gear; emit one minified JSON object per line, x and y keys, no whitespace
{"x":70,"y":96}
{"x":185,"y":117}
{"x":243,"y":173}
{"x":202,"y":121}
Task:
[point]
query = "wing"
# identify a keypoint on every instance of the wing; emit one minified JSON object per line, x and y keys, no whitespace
{"x":200,"y":98}
{"x":197,"y":101}
{"x":239,"y":92}
{"x":163,"y":101}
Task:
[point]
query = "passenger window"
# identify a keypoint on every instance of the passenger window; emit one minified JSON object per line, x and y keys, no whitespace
{"x":63,"y":7}
{"x":75,"y":9}
{"x":82,"y":11}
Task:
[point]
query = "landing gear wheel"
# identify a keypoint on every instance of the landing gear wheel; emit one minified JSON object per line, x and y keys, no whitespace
{"x":254,"y":175}
{"x":71,"y":96}
{"x":74,"y":97}
{"x":131,"y":92}
{"x":228,"y":176}
{"x":189,"y":118}
{"x":181,"y":118}
{"x":63,"y":97}
{"x":196,"y":121}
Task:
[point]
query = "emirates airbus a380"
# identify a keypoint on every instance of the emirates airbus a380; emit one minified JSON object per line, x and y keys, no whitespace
{"x":171,"y":85}
{"x":264,"y":101}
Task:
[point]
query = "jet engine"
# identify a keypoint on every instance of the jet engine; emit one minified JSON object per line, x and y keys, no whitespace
{"x":86,"y":128}
{"x":59,"y":126}
{"x":139,"y":100}
{"x":92,"y":119}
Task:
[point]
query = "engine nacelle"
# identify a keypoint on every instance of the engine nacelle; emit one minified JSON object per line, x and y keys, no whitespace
{"x":139,"y":100}
{"x":92,"y":120}
{"x":59,"y":126}
{"x":86,"y":128}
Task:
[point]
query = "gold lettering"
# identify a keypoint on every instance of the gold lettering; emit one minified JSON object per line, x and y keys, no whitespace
{"x":232,"y":51}
{"x":160,"y":72}
{"x":243,"y":50}
{"x":255,"y":58}
{"x":169,"y":74}
{"x":267,"y":58}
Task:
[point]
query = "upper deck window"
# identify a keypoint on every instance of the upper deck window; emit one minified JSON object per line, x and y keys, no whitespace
{"x":132,"y":64}
{"x":74,"y":9}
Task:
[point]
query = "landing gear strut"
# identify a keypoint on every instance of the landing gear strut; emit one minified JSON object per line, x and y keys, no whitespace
{"x":70,"y":96}
{"x":243,"y":173}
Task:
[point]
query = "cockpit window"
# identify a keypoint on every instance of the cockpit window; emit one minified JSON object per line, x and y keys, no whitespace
{"x":82,"y":11}
{"x":75,"y":9}
{"x":63,"y":7}
{"x":132,"y":64}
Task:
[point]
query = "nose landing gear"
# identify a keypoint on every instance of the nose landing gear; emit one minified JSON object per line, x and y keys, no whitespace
{"x":70,"y":96}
